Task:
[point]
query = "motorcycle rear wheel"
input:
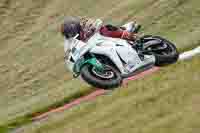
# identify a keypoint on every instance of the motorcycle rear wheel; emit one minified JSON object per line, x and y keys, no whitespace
{"x":167,"y":56}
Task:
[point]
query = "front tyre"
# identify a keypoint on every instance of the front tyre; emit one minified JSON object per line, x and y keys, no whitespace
{"x":106,"y":79}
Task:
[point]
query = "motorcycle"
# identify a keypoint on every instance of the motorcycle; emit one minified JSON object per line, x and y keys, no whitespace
{"x":105,"y":62}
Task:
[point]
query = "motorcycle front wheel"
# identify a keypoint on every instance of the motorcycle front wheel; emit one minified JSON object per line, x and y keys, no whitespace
{"x":108,"y":78}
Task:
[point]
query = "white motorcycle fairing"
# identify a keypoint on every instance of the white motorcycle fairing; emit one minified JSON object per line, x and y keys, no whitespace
{"x":119,"y":51}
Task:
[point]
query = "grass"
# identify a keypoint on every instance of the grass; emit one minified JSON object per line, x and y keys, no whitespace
{"x":33,"y":77}
{"x":28,"y":118}
{"x":164,"y":98}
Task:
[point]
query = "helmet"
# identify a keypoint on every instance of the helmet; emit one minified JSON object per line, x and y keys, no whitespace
{"x":71,"y":27}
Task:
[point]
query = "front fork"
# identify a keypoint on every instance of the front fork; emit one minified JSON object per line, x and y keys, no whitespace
{"x":82,"y":61}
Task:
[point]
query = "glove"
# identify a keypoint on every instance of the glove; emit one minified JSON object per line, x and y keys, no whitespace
{"x":129,"y":36}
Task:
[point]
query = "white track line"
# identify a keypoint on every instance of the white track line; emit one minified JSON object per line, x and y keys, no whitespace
{"x":189,"y":54}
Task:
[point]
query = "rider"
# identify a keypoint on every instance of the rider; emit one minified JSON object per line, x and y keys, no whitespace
{"x":86,"y":27}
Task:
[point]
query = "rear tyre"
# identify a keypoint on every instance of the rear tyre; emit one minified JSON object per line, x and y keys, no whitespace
{"x":107,"y":79}
{"x":167,"y":56}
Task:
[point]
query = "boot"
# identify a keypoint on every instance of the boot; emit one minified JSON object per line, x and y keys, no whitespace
{"x":136,"y":27}
{"x":131,"y":27}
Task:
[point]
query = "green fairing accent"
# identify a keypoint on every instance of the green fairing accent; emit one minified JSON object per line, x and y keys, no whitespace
{"x":81,"y":62}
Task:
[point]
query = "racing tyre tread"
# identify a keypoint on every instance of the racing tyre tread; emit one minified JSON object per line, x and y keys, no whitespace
{"x":87,"y":75}
{"x":163,"y":60}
